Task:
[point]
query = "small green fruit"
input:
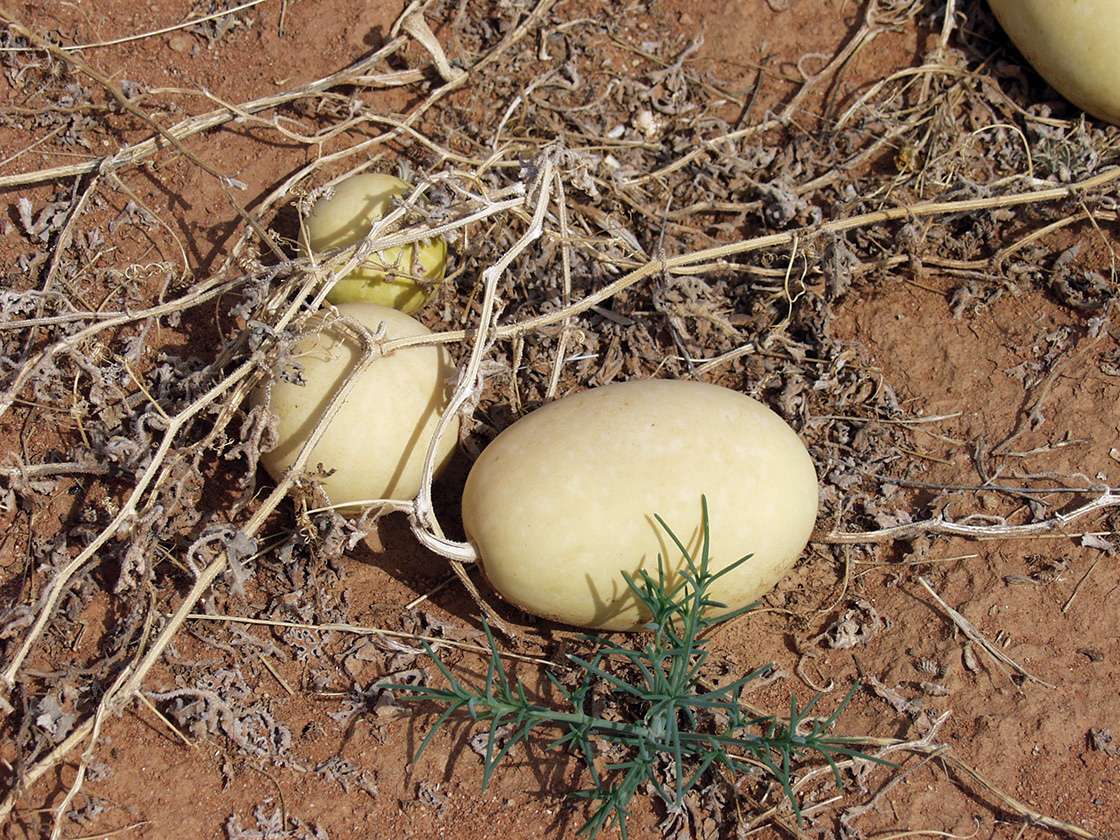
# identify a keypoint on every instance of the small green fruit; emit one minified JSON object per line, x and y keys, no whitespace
{"x":404,"y":277}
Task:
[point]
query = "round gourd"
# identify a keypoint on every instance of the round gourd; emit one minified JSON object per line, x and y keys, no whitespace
{"x":1073,"y":44}
{"x":375,"y":446}
{"x":562,"y":502}
{"x":390,"y":277}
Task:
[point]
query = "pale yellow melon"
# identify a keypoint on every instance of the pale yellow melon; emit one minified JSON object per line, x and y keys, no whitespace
{"x":562,"y":502}
{"x":375,"y":446}
{"x":404,"y":277}
{"x":1073,"y":44}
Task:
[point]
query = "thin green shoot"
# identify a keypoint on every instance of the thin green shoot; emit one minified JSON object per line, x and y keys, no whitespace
{"x":664,"y":684}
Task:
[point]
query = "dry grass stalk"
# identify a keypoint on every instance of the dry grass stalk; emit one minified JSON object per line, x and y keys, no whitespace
{"x":969,"y":629}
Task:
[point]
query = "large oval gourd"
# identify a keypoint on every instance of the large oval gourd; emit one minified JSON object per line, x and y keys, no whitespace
{"x":562,"y":502}
{"x":1073,"y":44}
{"x":375,"y":446}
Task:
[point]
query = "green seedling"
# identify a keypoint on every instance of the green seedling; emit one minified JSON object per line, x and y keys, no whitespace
{"x":667,"y":688}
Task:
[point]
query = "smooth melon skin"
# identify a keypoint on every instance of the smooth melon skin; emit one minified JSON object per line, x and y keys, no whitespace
{"x":1073,"y":44}
{"x":376,"y":445}
{"x":345,"y":218}
{"x":563,"y":501}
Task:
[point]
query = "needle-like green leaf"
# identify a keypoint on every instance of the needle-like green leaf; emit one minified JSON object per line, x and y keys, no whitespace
{"x":670,"y":737}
